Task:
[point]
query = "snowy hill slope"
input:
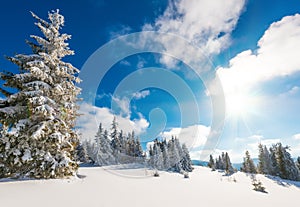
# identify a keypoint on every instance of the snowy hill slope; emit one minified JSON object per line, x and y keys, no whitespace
{"x":137,"y":187}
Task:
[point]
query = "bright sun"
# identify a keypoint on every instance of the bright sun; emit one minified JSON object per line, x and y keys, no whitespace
{"x":239,"y":104}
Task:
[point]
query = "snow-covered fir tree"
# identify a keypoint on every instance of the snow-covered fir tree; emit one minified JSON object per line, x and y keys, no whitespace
{"x":220,"y":162}
{"x":114,"y":148}
{"x":223,"y":163}
{"x":228,"y":166}
{"x":158,"y":161}
{"x":286,"y":165}
{"x":277,"y":162}
{"x":273,"y":162}
{"x":115,"y":139}
{"x":82,"y":153}
{"x":37,"y":134}
{"x":166,"y":158}
{"x":211,"y":163}
{"x":186,"y":162}
{"x":174,"y":155}
{"x":264,"y":160}
{"x":170,"y":156}
{"x":103,"y":151}
{"x":298,"y":163}
{"x":248,"y":164}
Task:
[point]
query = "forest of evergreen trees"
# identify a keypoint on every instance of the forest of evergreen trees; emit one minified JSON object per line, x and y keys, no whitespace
{"x":113,"y":147}
{"x":221,"y":163}
{"x":275,"y":161}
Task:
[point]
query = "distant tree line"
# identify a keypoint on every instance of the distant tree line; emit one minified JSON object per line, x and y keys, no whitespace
{"x":221,"y":163}
{"x":113,"y":147}
{"x":275,"y":161}
{"x":170,"y":155}
{"x":109,"y":148}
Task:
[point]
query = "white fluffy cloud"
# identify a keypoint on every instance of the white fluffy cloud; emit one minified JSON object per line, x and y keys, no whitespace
{"x":277,"y":56}
{"x":92,"y":116}
{"x":205,"y":23}
{"x":122,"y":105}
{"x":296,"y":136}
{"x":193,"y":136}
{"x":141,"y":94}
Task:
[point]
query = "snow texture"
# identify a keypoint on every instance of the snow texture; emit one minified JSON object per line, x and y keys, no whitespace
{"x":203,"y":188}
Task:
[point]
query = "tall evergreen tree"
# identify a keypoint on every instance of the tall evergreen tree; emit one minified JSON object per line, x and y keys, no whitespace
{"x":211,"y":163}
{"x":281,"y":161}
{"x":186,"y":162}
{"x":228,"y":166}
{"x":158,"y":161}
{"x":151,"y":156}
{"x":166,"y":157}
{"x":104,"y":152}
{"x":115,"y":140}
{"x":218,"y":163}
{"x":273,"y":160}
{"x":261,"y":160}
{"x":264,"y":160}
{"x":298,"y":163}
{"x":82,"y":154}
{"x":287,"y":167}
{"x":174,"y":155}
{"x":248,"y":164}
{"x":138,"y":150}
{"x":37,"y":135}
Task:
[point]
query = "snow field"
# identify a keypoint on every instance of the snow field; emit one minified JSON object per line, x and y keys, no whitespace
{"x":103,"y":187}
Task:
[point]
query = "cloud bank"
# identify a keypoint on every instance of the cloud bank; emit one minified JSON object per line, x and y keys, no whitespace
{"x":205,"y":23}
{"x":277,"y":56}
{"x":92,"y":116}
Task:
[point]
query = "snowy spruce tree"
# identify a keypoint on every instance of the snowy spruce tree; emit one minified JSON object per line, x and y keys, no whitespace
{"x":211,"y":163}
{"x":248,"y":164}
{"x":298,"y":163}
{"x":223,"y":163}
{"x":286,"y":165}
{"x":174,"y":155}
{"x":228,"y":166}
{"x":170,"y":156}
{"x":82,"y":153}
{"x":277,"y":162}
{"x":166,"y":158}
{"x":264,"y":160}
{"x":273,"y":162}
{"x":37,"y":137}
{"x":186,"y":162}
{"x":158,"y":161}
{"x":103,"y":151}
{"x":116,"y":143}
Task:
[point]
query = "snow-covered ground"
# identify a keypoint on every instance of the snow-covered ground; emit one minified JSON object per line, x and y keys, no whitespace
{"x":118,"y":186}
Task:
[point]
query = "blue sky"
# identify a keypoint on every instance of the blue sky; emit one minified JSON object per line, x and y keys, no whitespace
{"x":251,"y":45}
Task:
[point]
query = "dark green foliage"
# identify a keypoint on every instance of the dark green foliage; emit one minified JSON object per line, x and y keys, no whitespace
{"x":278,"y":162}
{"x":248,"y":164}
{"x":223,"y":163}
{"x":258,"y":186}
{"x":211,"y":163}
{"x":298,"y":163}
